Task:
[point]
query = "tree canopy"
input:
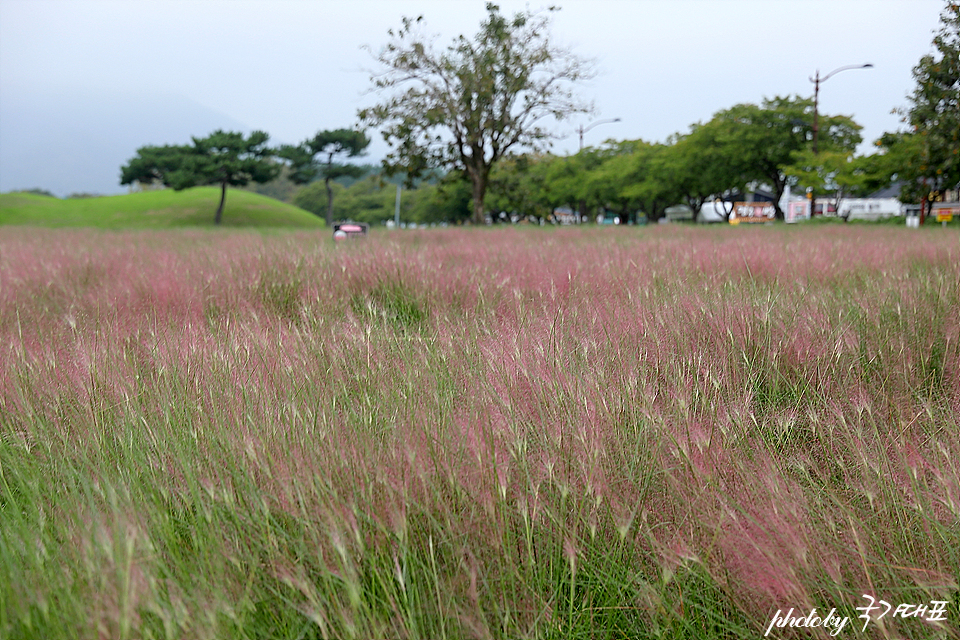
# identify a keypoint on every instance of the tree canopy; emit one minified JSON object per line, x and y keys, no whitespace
{"x":934,"y":112}
{"x":769,"y":138}
{"x":372,"y":199}
{"x":223,"y":158}
{"x":322,"y":157}
{"x":467,"y":106}
{"x":835,"y":172}
{"x":740,"y":148}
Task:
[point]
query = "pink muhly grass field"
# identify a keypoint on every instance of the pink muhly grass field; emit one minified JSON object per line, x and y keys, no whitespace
{"x":494,"y":433}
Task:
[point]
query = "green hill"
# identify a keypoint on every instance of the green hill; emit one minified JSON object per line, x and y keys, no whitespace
{"x":155,"y":210}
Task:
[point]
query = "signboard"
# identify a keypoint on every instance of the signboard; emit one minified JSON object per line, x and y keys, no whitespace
{"x":344,"y":230}
{"x":753,"y":213}
{"x":945,"y":214}
{"x":565,"y":215}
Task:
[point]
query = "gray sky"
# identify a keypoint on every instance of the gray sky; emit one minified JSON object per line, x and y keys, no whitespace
{"x":293,"y":67}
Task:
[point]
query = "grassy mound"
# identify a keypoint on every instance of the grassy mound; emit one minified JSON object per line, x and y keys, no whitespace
{"x":154,"y":210}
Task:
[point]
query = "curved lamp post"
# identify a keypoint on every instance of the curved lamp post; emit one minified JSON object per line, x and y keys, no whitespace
{"x":583,"y":129}
{"x":816,"y":96}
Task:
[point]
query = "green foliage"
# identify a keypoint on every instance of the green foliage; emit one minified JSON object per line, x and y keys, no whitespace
{"x":446,"y":201}
{"x":222,"y":158}
{"x":369,"y":200}
{"x":373,"y":200}
{"x":228,"y":158}
{"x":165,"y":165}
{"x":338,"y":143}
{"x":837,"y":172}
{"x":544,"y":172}
{"x":37,"y":192}
{"x":627,"y":177}
{"x":331,"y":147}
{"x":934,"y":112}
{"x":569,"y":182}
{"x":718,"y":160}
{"x":649,"y":183}
{"x":466,"y":107}
{"x":281,"y":188}
{"x":517,"y":184}
{"x":706,"y":164}
{"x":879,"y":170}
{"x":768,"y":138}
{"x":313,"y":198}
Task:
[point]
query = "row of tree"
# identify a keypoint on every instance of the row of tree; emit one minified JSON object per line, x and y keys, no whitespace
{"x":231,"y":159}
{"x":470,"y":106}
{"x":715,"y":161}
{"x":476,"y":111}
{"x":718,"y":160}
{"x":741,"y":146}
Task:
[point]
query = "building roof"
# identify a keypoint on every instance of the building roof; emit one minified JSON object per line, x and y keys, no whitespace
{"x":891,"y":191}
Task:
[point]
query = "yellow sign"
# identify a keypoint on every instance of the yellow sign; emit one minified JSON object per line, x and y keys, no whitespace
{"x":945,"y":214}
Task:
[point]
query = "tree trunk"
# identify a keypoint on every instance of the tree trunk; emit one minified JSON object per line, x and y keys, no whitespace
{"x":478,"y":180}
{"x":329,"y":202}
{"x":836,"y":206}
{"x":223,"y":198}
{"x":725,"y":211}
{"x":778,"y":188}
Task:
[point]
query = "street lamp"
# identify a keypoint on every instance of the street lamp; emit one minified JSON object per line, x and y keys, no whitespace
{"x":592,"y":125}
{"x":816,"y":96}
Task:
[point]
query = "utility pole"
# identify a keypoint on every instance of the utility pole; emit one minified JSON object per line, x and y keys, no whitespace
{"x":396,"y":210}
{"x":581,"y":213}
{"x":816,"y":80}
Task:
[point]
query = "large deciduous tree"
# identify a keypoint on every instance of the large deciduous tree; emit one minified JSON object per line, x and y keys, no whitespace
{"x":768,"y":138}
{"x":222,"y":158}
{"x":322,"y":157}
{"x":517,"y":185}
{"x":934,"y":112}
{"x":649,"y":180}
{"x":468,"y":105}
{"x":836,"y":172}
{"x":569,"y":183}
{"x":706,"y":167}
{"x":633,"y":176}
{"x":901,"y":160}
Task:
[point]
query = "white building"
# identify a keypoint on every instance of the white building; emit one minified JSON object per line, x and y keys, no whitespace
{"x":870,"y":208}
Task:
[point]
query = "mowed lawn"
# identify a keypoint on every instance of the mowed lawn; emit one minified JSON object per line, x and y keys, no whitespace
{"x":161,"y":209}
{"x":664,"y":432}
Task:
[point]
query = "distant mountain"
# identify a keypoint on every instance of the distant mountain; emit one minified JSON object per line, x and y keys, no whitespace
{"x":76,"y":142}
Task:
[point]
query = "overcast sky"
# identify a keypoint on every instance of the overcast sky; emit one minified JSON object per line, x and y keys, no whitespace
{"x":293,"y":67}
